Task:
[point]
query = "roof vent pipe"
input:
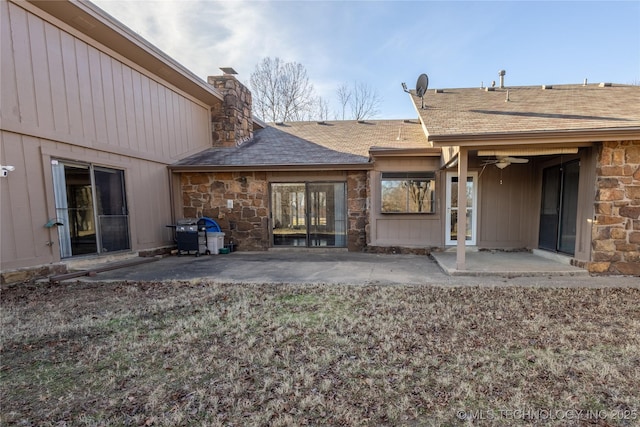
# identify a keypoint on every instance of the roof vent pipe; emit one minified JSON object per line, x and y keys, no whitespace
{"x":501,"y":73}
{"x":585,"y":82}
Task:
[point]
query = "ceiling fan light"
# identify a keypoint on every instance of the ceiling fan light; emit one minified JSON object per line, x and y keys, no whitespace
{"x":502,"y":165}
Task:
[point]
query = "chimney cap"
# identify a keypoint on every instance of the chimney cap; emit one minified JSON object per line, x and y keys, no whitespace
{"x":228,"y":70}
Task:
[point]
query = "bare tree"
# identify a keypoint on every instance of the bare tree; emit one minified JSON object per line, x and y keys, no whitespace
{"x":343,"y":97}
{"x":320,"y":110}
{"x":364,"y":101}
{"x":281,"y":90}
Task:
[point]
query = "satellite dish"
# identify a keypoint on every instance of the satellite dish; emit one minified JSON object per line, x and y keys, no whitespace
{"x":421,"y":85}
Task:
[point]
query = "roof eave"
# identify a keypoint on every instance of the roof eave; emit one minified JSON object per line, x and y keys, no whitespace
{"x":398,"y":152}
{"x":269,"y":168}
{"x":581,"y":136}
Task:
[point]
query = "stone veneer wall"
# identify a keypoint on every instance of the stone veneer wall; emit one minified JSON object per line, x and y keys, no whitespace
{"x":246,"y":224}
{"x":616,"y":230}
{"x":231,"y":121}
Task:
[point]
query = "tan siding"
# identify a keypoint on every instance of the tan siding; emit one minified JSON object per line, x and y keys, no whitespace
{"x":23,"y":208}
{"x":73,"y":91}
{"x":58,"y":91}
{"x":110,"y":107}
{"x":503,"y":214}
{"x":86,"y":101}
{"x":23,"y":67}
{"x":58,"y":87}
{"x":9,"y":89}
{"x":405,"y":231}
{"x":149,"y":204}
{"x":119,"y":106}
{"x":42,"y":84}
{"x":129,"y":106}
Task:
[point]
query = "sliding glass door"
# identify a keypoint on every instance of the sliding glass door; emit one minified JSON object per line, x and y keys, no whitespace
{"x":91,"y":208}
{"x":559,"y":210}
{"x":308,"y":214}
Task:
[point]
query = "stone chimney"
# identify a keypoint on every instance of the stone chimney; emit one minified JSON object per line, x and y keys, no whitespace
{"x":232,"y":123}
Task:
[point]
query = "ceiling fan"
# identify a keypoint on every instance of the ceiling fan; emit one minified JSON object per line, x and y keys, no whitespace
{"x":503,"y":161}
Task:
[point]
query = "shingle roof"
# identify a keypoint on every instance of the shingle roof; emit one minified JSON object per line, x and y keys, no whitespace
{"x":530,"y":109}
{"x":312,"y":143}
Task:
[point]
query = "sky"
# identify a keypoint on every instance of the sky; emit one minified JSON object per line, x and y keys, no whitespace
{"x":385,"y":43}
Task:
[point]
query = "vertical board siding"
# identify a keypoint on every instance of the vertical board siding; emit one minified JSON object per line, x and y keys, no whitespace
{"x":58,"y":92}
{"x":71,"y":84}
{"x":404,"y":231}
{"x":84,"y":83}
{"x":9,"y":88}
{"x":504,"y":216}
{"x":109,"y":92}
{"x":24,"y":211}
{"x":42,"y":84}
{"x":119,"y":106}
{"x":23,"y":67}
{"x":56,"y":84}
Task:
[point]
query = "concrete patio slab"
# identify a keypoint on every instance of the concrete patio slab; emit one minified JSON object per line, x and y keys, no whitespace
{"x":505,"y":264}
{"x":340,"y":267}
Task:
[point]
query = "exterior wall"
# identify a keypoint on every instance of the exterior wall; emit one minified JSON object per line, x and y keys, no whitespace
{"x":28,"y":202}
{"x":616,"y":230}
{"x":406,"y":230}
{"x":64,"y":96}
{"x":247,"y":223}
{"x":507,"y":208}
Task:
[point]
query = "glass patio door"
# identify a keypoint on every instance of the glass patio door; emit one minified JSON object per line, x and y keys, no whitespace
{"x":308,"y":214}
{"x":91,"y":206}
{"x":559,"y":210}
{"x":451,"y":220}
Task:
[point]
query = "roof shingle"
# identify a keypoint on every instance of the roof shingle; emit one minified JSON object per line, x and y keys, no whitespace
{"x":529,"y":109}
{"x":313,"y":143}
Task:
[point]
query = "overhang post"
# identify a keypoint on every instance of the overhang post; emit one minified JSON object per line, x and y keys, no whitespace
{"x":461,"y":236}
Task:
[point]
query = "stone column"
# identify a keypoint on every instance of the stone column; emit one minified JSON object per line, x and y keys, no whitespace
{"x":616,"y":231}
{"x":232,"y":121}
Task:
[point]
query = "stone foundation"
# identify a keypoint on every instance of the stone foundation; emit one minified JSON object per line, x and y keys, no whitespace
{"x":616,"y":230}
{"x":31,"y":274}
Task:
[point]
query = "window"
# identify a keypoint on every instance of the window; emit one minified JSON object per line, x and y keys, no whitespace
{"x":408,"y":192}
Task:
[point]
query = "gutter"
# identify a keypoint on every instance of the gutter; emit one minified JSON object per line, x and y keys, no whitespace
{"x":270,"y":168}
{"x":423,"y":151}
{"x":581,"y":137}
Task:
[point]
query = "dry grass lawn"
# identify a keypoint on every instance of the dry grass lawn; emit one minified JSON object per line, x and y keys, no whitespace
{"x":282,"y":355}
